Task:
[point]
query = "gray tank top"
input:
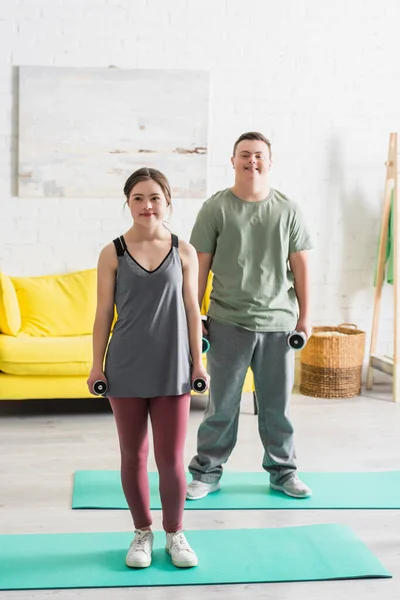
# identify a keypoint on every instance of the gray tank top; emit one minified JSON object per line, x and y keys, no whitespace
{"x":148,"y":354}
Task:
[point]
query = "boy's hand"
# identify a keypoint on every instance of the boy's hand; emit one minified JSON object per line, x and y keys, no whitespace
{"x":304,"y":325}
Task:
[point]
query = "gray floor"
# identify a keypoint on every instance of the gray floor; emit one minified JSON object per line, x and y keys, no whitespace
{"x":40,"y":451}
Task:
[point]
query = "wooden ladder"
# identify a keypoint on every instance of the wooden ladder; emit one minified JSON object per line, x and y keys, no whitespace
{"x":388,"y":364}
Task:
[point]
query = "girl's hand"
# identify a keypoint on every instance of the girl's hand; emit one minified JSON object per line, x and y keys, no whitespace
{"x":199,"y":372}
{"x":95,"y":375}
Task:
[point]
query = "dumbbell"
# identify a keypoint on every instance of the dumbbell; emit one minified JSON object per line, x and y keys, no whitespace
{"x":199,"y":385}
{"x":297,"y":340}
{"x":100,"y":387}
{"x":205,"y":344}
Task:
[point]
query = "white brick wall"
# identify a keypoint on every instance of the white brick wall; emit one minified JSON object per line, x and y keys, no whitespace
{"x":321,"y":80}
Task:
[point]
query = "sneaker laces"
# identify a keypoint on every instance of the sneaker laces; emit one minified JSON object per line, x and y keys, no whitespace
{"x":141,"y":539}
{"x":294,"y":478}
{"x":180,"y":542}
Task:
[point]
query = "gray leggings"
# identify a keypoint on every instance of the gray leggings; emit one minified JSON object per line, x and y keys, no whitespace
{"x":233,"y":350}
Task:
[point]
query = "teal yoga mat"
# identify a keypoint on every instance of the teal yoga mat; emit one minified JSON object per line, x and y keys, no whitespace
{"x":97,"y":560}
{"x":247,"y":491}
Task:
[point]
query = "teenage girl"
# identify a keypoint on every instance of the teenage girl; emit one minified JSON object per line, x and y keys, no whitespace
{"x":152,"y":359}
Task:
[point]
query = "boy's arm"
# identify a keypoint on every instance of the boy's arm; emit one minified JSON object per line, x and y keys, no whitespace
{"x":298,"y":262}
{"x":204,"y":239}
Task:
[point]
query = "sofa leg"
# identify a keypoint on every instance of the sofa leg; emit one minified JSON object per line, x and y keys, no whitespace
{"x":255,"y":403}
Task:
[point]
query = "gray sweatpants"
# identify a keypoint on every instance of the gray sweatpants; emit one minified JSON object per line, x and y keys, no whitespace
{"x":232,"y":350}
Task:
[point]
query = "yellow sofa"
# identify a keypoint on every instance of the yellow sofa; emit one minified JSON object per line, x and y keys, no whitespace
{"x":45,"y":335}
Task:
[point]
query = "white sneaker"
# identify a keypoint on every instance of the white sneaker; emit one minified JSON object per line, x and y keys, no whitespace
{"x":139,"y":553}
{"x":200,"y":489}
{"x":293,"y":487}
{"x":181,"y":553}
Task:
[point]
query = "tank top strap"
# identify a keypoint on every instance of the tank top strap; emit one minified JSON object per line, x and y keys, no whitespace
{"x":175,"y":241}
{"x":120,"y":245}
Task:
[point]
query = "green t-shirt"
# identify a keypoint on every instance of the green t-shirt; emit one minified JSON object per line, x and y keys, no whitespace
{"x":251,"y":241}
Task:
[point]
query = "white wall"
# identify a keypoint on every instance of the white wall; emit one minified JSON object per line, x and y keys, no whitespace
{"x":322,"y":80}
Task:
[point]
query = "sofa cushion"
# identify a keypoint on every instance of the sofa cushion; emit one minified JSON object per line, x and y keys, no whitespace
{"x":15,"y":387}
{"x":26,"y":355}
{"x":10,"y":315}
{"x":57,"y":305}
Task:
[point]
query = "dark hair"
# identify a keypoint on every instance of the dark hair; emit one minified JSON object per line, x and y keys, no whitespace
{"x":252,"y":135}
{"x":145,"y":174}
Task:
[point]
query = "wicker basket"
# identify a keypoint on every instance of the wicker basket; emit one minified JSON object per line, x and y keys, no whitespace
{"x":331,"y":364}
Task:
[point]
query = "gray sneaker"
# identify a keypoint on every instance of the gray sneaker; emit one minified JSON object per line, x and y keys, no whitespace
{"x":293,"y":487}
{"x":200,"y":489}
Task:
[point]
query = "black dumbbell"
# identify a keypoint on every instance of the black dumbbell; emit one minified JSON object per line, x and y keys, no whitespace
{"x":100,"y":387}
{"x":297,"y":340}
{"x":199,"y":385}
